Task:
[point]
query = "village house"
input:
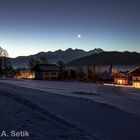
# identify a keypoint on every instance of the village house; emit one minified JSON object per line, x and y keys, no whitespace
{"x":130,"y":78}
{"x":121,"y":78}
{"x":46,"y":71}
{"x":135,"y":74}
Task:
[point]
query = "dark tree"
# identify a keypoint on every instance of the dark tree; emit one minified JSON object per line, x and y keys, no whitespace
{"x":37,"y":60}
{"x":43,"y":60}
{"x":31,"y":63}
{"x":61,"y":67}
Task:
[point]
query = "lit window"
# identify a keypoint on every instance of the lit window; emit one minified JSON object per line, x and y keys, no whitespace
{"x":53,"y":73}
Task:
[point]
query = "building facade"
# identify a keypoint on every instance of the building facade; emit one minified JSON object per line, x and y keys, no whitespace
{"x":135,"y":74}
{"x":46,"y":71}
{"x":121,"y":78}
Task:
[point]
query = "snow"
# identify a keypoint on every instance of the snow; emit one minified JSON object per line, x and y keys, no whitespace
{"x":58,"y":110}
{"x":25,"y":118}
{"x":75,"y":89}
{"x":115,"y":96}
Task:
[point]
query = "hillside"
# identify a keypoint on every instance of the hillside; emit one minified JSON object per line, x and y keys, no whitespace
{"x":53,"y":57}
{"x":107,"y":58}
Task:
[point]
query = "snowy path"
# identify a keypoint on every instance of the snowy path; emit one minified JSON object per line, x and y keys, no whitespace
{"x":74,"y":116}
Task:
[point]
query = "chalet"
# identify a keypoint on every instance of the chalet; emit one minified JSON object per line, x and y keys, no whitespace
{"x":135,"y":74}
{"x":121,"y":78}
{"x":46,"y":71}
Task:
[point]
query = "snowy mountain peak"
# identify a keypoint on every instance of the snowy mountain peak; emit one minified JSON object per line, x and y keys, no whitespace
{"x":98,"y":50}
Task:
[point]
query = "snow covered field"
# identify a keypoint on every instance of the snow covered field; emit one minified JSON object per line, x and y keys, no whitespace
{"x":54,"y":110}
{"x":74,"y":89}
{"x":122,"y":98}
{"x":55,"y":86}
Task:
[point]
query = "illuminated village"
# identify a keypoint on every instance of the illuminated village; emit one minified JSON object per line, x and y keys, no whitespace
{"x":109,"y":75}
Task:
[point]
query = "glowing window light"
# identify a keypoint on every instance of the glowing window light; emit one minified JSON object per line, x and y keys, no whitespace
{"x":136,"y":84}
{"x":120,"y":81}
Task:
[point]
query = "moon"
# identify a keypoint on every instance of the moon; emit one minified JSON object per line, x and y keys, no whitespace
{"x":79,"y":36}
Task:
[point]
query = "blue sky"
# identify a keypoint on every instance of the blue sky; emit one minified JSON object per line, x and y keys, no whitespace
{"x":30,"y":26}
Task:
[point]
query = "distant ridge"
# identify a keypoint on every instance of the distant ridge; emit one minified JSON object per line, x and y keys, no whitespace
{"x":108,"y":58}
{"x":53,"y":57}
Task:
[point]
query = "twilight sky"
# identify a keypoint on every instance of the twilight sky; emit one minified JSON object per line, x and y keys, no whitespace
{"x":31,"y":26}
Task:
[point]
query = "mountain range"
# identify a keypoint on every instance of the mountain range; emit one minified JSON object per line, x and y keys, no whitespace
{"x":108,"y":58}
{"x":53,"y":57}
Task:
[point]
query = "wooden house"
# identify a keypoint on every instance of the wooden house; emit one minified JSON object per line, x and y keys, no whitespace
{"x":135,"y":74}
{"x":46,"y":71}
{"x":121,"y":78}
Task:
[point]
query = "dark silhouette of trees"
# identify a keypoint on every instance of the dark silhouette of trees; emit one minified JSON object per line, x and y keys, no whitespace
{"x":37,"y":60}
{"x":61,"y":68}
{"x":31,"y":63}
{"x":43,"y":60}
{"x":6,"y":69}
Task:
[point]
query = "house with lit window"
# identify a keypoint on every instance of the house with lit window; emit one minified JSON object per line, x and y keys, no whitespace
{"x":46,"y":71}
{"x":24,"y":73}
{"x":135,"y":74}
{"x":121,"y":78}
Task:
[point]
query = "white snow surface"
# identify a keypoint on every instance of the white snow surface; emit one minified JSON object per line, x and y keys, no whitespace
{"x":59,"y":110}
{"x":123,"y":98}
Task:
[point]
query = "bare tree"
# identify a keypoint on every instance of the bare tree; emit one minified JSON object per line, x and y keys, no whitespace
{"x":5,"y":64}
{"x":3,"y":53}
{"x":37,"y":60}
{"x":61,"y":67}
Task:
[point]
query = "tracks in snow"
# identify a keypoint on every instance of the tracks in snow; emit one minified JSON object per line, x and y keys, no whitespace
{"x":76,"y":131}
